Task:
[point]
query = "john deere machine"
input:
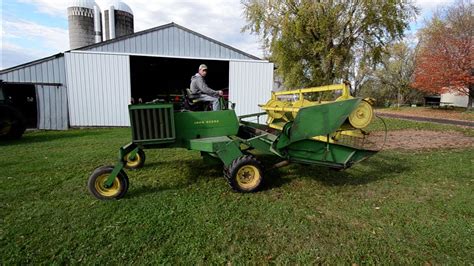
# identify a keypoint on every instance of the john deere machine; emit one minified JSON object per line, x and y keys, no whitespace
{"x":298,"y":130}
{"x":12,"y":121}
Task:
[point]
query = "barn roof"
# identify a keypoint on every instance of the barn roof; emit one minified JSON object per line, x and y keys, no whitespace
{"x":166,"y":40}
{"x":172,"y":40}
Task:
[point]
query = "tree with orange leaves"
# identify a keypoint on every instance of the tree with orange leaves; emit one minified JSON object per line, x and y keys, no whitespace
{"x":445,"y":57}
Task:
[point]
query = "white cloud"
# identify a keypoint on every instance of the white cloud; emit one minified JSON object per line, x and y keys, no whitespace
{"x":14,"y":55}
{"x":219,"y":19}
{"x":51,"y":37}
{"x":26,"y":40}
{"x":55,"y":8}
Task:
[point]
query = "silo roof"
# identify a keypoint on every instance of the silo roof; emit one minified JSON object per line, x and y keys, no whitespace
{"x":119,"y":5}
{"x":83,"y":3}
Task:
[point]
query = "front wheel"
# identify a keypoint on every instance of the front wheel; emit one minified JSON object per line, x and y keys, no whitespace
{"x":97,"y":187}
{"x":136,"y":162}
{"x":245,"y":174}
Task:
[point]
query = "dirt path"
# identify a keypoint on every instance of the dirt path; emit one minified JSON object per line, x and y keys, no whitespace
{"x":428,"y":119}
{"x":452,"y":114}
{"x":411,"y":139}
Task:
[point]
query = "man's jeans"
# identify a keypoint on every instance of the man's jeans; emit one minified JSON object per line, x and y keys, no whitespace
{"x":214,"y":100}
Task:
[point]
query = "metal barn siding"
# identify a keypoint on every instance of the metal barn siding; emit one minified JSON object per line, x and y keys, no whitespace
{"x":51,"y":99}
{"x":98,"y":89}
{"x":170,"y":40}
{"x":49,"y":70}
{"x":250,"y":84}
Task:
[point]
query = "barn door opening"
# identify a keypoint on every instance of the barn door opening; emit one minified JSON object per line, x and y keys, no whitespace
{"x":161,"y":78}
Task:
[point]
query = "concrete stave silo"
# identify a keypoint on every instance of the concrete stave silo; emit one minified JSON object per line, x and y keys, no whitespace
{"x":84,"y":20}
{"x":121,"y":23}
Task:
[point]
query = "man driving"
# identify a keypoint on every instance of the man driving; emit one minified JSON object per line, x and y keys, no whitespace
{"x":200,"y":90}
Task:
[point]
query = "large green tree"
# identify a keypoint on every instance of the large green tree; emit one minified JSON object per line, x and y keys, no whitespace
{"x":315,"y":42}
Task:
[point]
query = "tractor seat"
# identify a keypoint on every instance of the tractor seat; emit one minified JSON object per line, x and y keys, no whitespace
{"x":191,"y":103}
{"x":190,"y":97}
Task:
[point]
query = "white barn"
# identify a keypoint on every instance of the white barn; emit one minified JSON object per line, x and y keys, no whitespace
{"x":454,"y":99}
{"x":93,"y":85}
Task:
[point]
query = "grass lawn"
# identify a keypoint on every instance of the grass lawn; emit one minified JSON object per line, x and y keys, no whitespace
{"x":395,"y":208}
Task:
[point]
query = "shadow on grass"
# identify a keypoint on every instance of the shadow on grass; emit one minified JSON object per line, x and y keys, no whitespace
{"x":193,"y":170}
{"x":152,"y":165}
{"x":376,"y":168}
{"x":46,"y":136}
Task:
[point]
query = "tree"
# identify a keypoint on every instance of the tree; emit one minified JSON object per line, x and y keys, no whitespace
{"x":315,"y":42}
{"x":391,"y":79}
{"x":396,"y":72}
{"x":445,"y":58}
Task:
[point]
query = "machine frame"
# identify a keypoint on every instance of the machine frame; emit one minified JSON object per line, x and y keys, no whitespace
{"x":311,"y":137}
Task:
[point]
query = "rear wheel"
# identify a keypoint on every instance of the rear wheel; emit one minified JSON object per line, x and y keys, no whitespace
{"x":97,"y":187}
{"x":245,"y":174}
{"x":136,"y":162}
{"x":12,"y":122}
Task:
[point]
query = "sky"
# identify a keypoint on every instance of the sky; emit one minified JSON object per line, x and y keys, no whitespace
{"x":33,"y":29}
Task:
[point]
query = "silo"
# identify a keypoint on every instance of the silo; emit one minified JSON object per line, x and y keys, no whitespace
{"x":121,"y":23}
{"x":84,"y":19}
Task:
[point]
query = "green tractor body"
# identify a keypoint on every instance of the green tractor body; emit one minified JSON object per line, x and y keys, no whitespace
{"x":221,"y":135}
{"x":12,"y":121}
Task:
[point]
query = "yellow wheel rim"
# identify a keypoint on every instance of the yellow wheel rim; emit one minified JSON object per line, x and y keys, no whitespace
{"x":107,"y":191}
{"x":133,"y":163}
{"x":362,"y":115}
{"x":248,"y":177}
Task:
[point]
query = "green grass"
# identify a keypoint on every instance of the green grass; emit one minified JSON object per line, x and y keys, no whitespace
{"x":399,"y":124}
{"x":395,"y":208}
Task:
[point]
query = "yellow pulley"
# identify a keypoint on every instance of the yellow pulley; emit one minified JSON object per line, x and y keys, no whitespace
{"x":362,"y":115}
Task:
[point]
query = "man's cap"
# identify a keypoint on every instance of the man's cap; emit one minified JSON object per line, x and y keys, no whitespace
{"x":202,"y":66}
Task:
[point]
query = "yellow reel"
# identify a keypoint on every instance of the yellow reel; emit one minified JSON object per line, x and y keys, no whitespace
{"x":276,"y":104}
{"x":299,"y":104}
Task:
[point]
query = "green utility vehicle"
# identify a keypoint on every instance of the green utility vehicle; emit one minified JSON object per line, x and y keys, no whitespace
{"x":12,"y":121}
{"x":222,"y":136}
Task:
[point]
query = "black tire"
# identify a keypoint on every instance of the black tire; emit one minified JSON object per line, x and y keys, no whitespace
{"x":13,"y":119}
{"x":95,"y":184}
{"x":245,"y":174}
{"x":137,"y":162}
